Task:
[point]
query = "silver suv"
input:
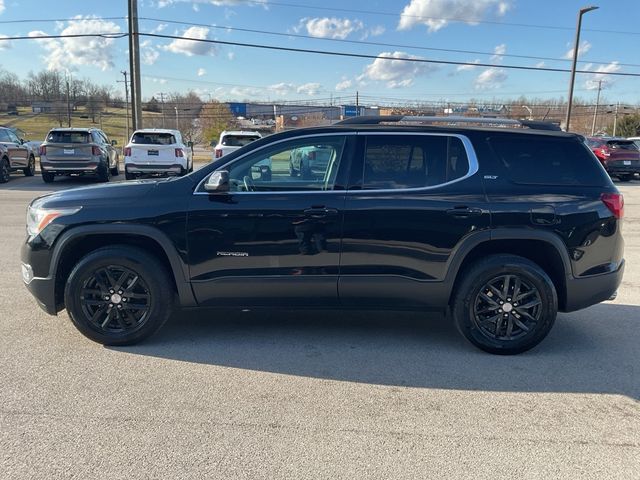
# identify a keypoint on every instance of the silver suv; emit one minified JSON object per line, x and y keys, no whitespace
{"x":78,"y":151}
{"x":15,"y":155}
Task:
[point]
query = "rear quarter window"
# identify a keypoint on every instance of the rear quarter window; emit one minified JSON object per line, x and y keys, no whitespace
{"x":548,"y":161}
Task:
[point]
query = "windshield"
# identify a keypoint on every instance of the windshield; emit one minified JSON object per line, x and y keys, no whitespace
{"x":149,"y":138}
{"x":68,"y":137}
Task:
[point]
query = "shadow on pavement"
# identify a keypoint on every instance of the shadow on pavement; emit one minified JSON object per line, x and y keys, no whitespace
{"x":591,"y":351}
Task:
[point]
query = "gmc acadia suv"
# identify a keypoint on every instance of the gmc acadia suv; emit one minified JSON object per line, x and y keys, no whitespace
{"x":501,"y":227}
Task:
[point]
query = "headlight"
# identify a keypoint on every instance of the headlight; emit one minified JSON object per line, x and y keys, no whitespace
{"x":38,"y":218}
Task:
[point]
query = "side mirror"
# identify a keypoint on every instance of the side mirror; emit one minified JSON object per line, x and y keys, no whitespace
{"x":190,"y":144}
{"x":218,"y":182}
{"x":22,"y":141}
{"x":114,"y":142}
{"x":213,"y":143}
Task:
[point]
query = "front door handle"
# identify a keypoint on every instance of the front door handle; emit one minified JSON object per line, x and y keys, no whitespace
{"x":320,"y":211}
{"x":464,"y":212}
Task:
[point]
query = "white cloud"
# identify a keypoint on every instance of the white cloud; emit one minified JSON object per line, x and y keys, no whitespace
{"x":582,"y":49}
{"x":202,"y":72}
{"x":148,"y":54}
{"x":245,"y":92}
{"x":326,"y":27}
{"x":215,"y":3}
{"x":282,"y":88}
{"x":600,"y":75}
{"x":540,"y":65}
{"x":498,"y":52}
{"x":2,"y":7}
{"x":373,"y":32}
{"x":490,"y":79}
{"x":231,"y":56}
{"x":309,"y":89}
{"x":464,"y":68}
{"x":435,"y":14}
{"x":344,"y":85}
{"x":161,"y":81}
{"x":67,"y":53}
{"x":396,"y":73}
{"x":4,"y":44}
{"x":159,"y":28}
{"x":191,"y":47}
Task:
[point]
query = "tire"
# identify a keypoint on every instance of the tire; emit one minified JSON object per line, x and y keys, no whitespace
{"x":115,"y":171}
{"x":625,"y":178}
{"x":104,"y":172}
{"x":480,"y":317}
{"x":129,"y":176}
{"x":143,"y":306}
{"x":48,"y":177}
{"x":30,"y":170}
{"x":5,"y":170}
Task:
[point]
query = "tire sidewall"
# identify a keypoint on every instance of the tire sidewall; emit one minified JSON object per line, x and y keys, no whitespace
{"x":469,"y":289}
{"x":142,"y":264}
{"x":5,"y":171}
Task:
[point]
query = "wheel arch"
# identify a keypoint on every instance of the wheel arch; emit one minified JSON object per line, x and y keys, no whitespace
{"x":543,"y":248}
{"x":79,"y":241}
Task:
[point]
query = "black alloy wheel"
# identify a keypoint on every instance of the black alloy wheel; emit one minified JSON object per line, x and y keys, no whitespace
{"x":119,"y":295}
{"x":504,"y":304}
{"x":30,"y":170}
{"x":5,"y":172}
{"x":115,"y":300}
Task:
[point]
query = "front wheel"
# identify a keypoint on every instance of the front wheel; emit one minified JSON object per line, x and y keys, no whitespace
{"x":505,"y":304}
{"x":30,"y":170}
{"x":115,"y":171}
{"x":118,"y":295}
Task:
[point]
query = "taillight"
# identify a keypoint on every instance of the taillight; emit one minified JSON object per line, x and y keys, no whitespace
{"x":95,"y":150}
{"x":614,"y":202}
{"x":179,"y":152}
{"x":604,"y":151}
{"x":43,"y":150}
{"x":218,"y":153}
{"x":127,"y":151}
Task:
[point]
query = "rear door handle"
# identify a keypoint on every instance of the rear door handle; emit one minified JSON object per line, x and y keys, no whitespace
{"x":464,"y":212}
{"x":320,"y":211}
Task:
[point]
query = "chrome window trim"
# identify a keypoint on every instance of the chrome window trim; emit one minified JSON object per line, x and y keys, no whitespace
{"x":472,"y":161}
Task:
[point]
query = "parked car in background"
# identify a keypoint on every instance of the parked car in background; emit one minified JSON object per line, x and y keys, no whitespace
{"x":15,"y":155}
{"x":501,"y":227}
{"x":154,"y":151}
{"x":230,"y":141}
{"x":620,"y":157}
{"x":78,"y":151}
{"x":310,"y":161}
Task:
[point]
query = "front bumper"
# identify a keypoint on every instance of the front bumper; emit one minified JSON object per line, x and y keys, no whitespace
{"x":584,"y":292}
{"x":43,"y":289}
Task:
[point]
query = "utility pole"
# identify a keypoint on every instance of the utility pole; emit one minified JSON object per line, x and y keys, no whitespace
{"x":595,"y":111}
{"x":162,"y":103}
{"x":615,"y":119}
{"x":177,"y":126}
{"x":126,"y":99}
{"x":357,"y":103}
{"x":134,"y":65}
{"x":68,"y":101}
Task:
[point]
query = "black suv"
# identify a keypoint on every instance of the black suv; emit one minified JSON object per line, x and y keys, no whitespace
{"x":501,"y":227}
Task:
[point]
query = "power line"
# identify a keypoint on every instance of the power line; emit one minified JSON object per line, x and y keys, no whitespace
{"x":379,"y":44}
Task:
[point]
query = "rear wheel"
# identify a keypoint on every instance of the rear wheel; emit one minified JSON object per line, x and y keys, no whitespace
{"x":505,"y":304}
{"x":48,"y":177}
{"x":129,"y":176}
{"x":30,"y":170}
{"x":5,"y":172}
{"x":115,"y":171}
{"x":104,"y":172}
{"x":626,"y":178}
{"x":118,"y":295}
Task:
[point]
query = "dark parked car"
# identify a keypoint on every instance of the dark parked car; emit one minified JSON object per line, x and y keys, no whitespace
{"x":310,"y":160}
{"x":15,"y":155}
{"x":502,"y":227}
{"x":619,"y":157}
{"x":78,"y":151}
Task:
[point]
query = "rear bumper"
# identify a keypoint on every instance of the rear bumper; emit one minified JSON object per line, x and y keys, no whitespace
{"x":584,"y":292}
{"x":155,"y":168}
{"x":89,"y":166}
{"x":623,"y":169}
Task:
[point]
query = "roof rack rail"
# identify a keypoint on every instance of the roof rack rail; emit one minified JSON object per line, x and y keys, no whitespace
{"x":376,"y":120}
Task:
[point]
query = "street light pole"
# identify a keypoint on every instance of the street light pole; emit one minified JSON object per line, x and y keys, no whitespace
{"x":576,"y":47}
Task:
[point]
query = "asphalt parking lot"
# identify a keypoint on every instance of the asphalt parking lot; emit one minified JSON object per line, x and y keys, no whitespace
{"x":297,"y":395}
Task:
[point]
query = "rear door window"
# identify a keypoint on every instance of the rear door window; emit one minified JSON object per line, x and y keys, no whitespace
{"x":153,"y":138}
{"x":547,"y":161}
{"x":61,"y":136}
{"x":412,"y":161}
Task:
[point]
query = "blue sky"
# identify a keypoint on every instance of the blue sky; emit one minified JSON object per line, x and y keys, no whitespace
{"x":496,"y":28}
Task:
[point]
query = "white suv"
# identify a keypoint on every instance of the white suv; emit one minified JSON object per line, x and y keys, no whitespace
{"x":233,"y":140}
{"x":153,"y":151}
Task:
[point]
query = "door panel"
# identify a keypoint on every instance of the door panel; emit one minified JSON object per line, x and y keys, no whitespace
{"x":397,"y":242}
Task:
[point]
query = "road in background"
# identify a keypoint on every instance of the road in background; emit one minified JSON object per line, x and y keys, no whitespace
{"x":290,"y":394}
